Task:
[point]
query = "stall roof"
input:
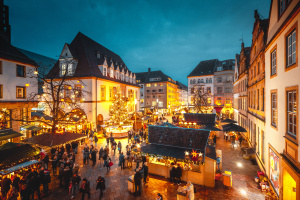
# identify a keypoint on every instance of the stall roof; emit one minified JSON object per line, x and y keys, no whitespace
{"x":167,"y":124}
{"x":19,"y":166}
{"x":170,"y":151}
{"x":178,"y":137}
{"x":8,"y":134}
{"x":49,"y":140}
{"x":200,"y":118}
{"x":19,"y":153}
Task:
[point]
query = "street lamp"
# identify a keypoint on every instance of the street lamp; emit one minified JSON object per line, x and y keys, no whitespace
{"x":135,"y":114}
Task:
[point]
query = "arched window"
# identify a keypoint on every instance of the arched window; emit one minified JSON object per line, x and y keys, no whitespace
{"x":191,"y":81}
{"x":210,"y":80}
{"x":207,"y":80}
{"x":198,"y":80}
{"x":194,"y":81}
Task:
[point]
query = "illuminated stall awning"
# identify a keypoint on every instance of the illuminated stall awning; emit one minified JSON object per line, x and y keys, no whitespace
{"x":31,"y":128}
{"x":18,"y":167}
{"x":8,"y":134}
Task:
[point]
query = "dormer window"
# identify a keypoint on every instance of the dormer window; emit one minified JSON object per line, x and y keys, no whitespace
{"x":220,"y":68}
{"x":98,"y":54}
{"x":104,"y":71}
{"x":70,"y":70}
{"x":111,"y":60}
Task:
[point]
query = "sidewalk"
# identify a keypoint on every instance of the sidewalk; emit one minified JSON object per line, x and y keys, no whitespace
{"x":116,"y":179}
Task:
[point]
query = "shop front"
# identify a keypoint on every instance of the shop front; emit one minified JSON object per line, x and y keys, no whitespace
{"x":274,"y":170}
{"x":290,"y":180}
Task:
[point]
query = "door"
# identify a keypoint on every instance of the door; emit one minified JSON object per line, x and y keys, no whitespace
{"x":289,"y":184}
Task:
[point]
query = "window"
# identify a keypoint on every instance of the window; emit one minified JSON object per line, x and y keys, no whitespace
{"x":20,"y":71}
{"x":63,"y":69}
{"x":199,"y":81}
{"x":208,"y":101}
{"x":228,"y":101}
{"x":258,"y":99}
{"x":291,"y":48}
{"x":70,"y":69}
{"x":219,"y":80}
{"x":148,"y":91}
{"x":258,"y":67}
{"x":1,"y":67}
{"x":219,"y":90}
{"x":142,"y":94}
{"x":274,"y":109}
{"x":155,"y":79}
{"x":202,"y":81}
{"x":219,"y":101}
{"x":104,"y":71}
{"x":292,"y":112}
{"x":67,"y":91}
{"x":219,"y":68}
{"x":154,"y":96}
{"x":228,"y":90}
{"x":153,"y":91}
{"x":263,"y":99}
{"x":191,"y":81}
{"x":160,"y":84}
{"x":208,"y":89}
{"x":155,"y":84}
{"x":21,"y":92}
{"x":194,"y":81}
{"x":207,"y":80}
{"x":1,"y":91}
{"x":273,"y":62}
{"x":78,"y":92}
{"x":148,"y":85}
{"x":160,"y":90}
{"x":283,"y":4}
{"x":110,"y":93}
{"x":210,"y":80}
{"x":103,"y":95}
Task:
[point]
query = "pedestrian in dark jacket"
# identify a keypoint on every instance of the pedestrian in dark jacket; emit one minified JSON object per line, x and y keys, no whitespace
{"x":137,"y":182}
{"x":46,"y":180}
{"x":215,"y":140}
{"x":145,"y":172}
{"x":5,"y":185}
{"x":54,"y":164}
{"x":122,"y":160}
{"x":85,"y":188}
{"x":46,"y":161}
{"x":101,"y":153}
{"x":67,"y":176}
{"x":178,"y":174}
{"x":75,"y":184}
{"x":119,"y":147}
{"x":101,"y":185}
{"x":93,"y":156}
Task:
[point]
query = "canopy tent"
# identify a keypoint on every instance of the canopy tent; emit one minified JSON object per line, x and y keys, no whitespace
{"x":8,"y":134}
{"x":228,"y":121}
{"x":233,"y":127}
{"x":210,"y":127}
{"x":31,"y":128}
{"x":10,"y":156}
{"x":200,"y":118}
{"x":50,"y":140}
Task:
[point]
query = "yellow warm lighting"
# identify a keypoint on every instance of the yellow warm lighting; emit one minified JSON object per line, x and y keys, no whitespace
{"x":70,"y":88}
{"x":27,"y":84}
{"x":82,"y":86}
{"x":239,"y":164}
{"x":62,"y":100}
{"x":243,"y":192}
{"x":35,"y":72}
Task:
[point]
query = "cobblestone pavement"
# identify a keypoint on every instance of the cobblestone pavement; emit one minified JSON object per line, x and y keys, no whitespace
{"x":116,"y":179}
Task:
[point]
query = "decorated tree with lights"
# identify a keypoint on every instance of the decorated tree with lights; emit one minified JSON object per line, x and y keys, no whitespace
{"x":118,"y":110}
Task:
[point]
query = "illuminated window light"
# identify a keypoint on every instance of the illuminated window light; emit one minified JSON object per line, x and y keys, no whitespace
{"x":27,"y":84}
{"x":35,"y":72}
{"x":239,"y":164}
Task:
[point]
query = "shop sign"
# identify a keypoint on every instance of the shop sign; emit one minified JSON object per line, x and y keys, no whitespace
{"x":274,"y":170}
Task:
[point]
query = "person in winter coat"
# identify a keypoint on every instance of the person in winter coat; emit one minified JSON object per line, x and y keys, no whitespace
{"x":101,"y":185}
{"x":122,"y":160}
{"x":93,"y":156}
{"x":5,"y":185}
{"x":190,"y":190}
{"x":75,"y":184}
{"x":46,"y":180}
{"x":86,"y":155}
{"x":101,"y":154}
{"x":67,"y":176}
{"x":96,"y":140}
{"x":12,"y":194}
{"x":85,"y":188}
{"x":106,"y":163}
{"x":137,"y":182}
{"x":54,"y":164}
{"x":145,"y":172}
{"x":119,"y":147}
{"x":46,"y":161}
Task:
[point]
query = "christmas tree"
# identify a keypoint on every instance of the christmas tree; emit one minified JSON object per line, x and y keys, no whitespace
{"x":118,"y":111}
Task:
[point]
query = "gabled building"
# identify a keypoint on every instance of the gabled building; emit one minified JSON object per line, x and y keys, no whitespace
{"x":158,"y":91}
{"x":256,"y":86}
{"x":86,"y":64}
{"x":203,"y":78}
{"x":182,"y":93}
{"x":240,"y":89}
{"x":16,"y":86}
{"x":282,"y":133}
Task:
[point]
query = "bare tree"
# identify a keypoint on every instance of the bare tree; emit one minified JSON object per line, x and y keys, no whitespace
{"x":200,"y":99}
{"x":61,"y":93}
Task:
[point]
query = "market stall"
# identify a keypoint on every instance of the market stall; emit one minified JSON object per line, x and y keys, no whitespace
{"x":184,"y":147}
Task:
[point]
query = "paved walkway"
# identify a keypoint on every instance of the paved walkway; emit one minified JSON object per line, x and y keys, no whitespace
{"x":116,"y":179}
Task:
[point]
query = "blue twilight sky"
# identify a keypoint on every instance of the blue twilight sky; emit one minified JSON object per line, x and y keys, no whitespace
{"x":168,"y":35}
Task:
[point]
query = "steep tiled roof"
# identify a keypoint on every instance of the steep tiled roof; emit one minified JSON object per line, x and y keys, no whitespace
{"x":8,"y":51}
{"x":226,"y":64}
{"x":200,"y":118}
{"x":145,"y":77}
{"x":181,"y":86}
{"x":85,"y":50}
{"x":205,"y":67}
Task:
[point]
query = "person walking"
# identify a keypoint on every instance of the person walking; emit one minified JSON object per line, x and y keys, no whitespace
{"x":75,"y":184}
{"x":232,"y":140}
{"x":93,"y":156}
{"x":218,"y":163}
{"x":101,"y":154}
{"x":100,"y":185}
{"x":85,"y":188}
{"x":86,"y":155}
{"x":145,"y":172}
{"x":46,"y":180}
{"x":107,"y":141}
{"x":119,"y":147}
{"x":95,"y":140}
{"x":190,"y":190}
{"x":122,"y":160}
{"x":107,"y":163}
{"x":240,"y":140}
{"x":137,"y":182}
{"x":215,"y":140}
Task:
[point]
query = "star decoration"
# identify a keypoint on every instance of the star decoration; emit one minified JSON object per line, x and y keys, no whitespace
{"x":194,"y":153}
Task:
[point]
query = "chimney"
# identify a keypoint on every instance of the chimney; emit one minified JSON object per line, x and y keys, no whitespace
{"x":256,"y":15}
{"x":149,"y":69}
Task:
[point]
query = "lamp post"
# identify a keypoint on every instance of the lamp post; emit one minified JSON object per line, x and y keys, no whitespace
{"x":135,"y":114}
